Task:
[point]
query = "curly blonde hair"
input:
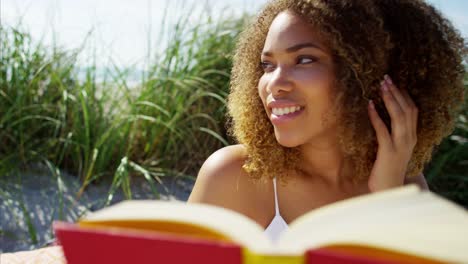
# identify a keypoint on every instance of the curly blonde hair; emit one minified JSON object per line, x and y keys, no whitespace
{"x":408,"y":39}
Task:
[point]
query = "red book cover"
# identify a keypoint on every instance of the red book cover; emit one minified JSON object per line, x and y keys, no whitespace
{"x":87,"y":245}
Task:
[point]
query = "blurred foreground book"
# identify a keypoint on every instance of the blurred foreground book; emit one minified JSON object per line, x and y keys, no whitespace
{"x":403,"y":225}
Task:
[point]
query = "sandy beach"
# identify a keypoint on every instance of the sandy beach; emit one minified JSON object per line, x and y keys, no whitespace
{"x":30,"y":202}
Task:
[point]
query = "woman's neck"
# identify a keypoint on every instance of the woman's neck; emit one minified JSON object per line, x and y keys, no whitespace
{"x":324,"y":161}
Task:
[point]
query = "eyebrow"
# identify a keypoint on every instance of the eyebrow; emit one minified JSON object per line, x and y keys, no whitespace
{"x":296,"y":48}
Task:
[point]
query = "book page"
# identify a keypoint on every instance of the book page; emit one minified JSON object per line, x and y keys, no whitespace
{"x":403,"y":219}
{"x":158,"y":216}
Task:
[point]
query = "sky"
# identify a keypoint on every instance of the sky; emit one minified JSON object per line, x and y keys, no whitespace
{"x":122,"y":30}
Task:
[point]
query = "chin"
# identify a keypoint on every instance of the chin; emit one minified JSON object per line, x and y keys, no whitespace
{"x":290,"y":145}
{"x":288,"y":142}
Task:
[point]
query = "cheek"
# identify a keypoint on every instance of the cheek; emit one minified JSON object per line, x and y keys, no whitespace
{"x":318,"y":83}
{"x":318,"y":76}
{"x":317,"y":87}
{"x":262,"y":84}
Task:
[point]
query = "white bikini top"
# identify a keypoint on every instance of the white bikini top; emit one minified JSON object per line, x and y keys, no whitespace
{"x":277,"y":225}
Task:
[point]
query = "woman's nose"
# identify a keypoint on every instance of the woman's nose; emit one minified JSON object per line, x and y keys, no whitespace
{"x":280,"y":81}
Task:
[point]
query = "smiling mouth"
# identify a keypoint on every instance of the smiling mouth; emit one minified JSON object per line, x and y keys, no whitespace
{"x":281,"y":111}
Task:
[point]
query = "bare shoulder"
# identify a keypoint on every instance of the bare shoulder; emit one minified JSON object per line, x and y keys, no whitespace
{"x":219,"y":179}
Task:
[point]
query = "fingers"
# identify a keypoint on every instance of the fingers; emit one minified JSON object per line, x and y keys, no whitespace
{"x":383,"y":135}
{"x":393,"y":106}
{"x":401,"y":109}
{"x":414,"y":112}
{"x":401,"y":100}
{"x":406,"y":103}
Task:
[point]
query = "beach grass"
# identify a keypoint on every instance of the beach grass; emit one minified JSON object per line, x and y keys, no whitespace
{"x":66,"y":117}
{"x":165,"y":124}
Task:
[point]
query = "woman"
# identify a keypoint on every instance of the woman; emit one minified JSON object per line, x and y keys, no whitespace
{"x":335,"y":99}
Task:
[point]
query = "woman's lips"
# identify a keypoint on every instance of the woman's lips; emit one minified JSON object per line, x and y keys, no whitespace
{"x":282,"y":119}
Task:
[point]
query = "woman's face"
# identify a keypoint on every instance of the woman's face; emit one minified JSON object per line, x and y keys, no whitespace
{"x":296,"y":87}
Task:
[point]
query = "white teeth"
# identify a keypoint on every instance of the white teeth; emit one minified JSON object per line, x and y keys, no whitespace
{"x":286,"y":110}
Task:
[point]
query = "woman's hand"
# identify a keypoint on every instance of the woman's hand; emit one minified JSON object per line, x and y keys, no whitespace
{"x":395,"y":147}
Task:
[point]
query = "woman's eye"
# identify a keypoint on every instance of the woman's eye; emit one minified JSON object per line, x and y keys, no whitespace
{"x":306,"y":60}
{"x":267,"y":66}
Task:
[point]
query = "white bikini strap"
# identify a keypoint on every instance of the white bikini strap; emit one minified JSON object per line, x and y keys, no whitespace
{"x":276,"y":197}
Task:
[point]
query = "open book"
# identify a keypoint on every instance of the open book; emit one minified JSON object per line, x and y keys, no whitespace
{"x":403,"y":225}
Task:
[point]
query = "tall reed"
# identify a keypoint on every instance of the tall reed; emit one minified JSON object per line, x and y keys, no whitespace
{"x":99,"y":128}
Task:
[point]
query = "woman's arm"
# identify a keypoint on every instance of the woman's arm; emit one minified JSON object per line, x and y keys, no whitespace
{"x":419,"y":180}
